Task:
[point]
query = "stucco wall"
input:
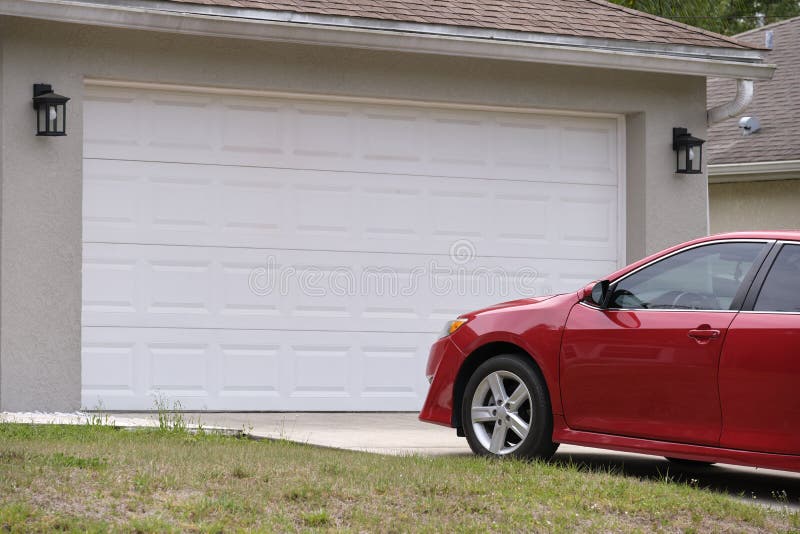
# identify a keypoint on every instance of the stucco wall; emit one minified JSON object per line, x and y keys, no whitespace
{"x":2,"y":84}
{"x":769,"y":205}
{"x":40,"y":258}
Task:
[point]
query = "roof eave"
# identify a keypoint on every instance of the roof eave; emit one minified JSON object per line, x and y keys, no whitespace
{"x":756,"y":171}
{"x":265,"y":25}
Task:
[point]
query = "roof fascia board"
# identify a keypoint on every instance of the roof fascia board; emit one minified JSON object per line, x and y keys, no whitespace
{"x":303,"y":30}
{"x":705,"y":52}
{"x":754,"y":172}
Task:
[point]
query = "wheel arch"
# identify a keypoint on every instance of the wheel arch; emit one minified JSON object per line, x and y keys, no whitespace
{"x":474,"y":360}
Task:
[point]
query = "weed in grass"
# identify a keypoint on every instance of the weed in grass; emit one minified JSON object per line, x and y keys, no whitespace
{"x":14,"y":514}
{"x":150,"y":524}
{"x":214,"y":528}
{"x":97,"y":416}
{"x":200,"y":429}
{"x":231,"y":503}
{"x":97,"y":419}
{"x":331,"y":469}
{"x":16,"y":517}
{"x":143,"y":483}
{"x":67,"y":460}
{"x":11,"y":457}
{"x":434,"y":489}
{"x":215,"y":474}
{"x":476,"y":508}
{"x":303,"y":492}
{"x":170,"y":419}
{"x":316,"y":519}
{"x":781,"y":496}
{"x":226,"y":504}
{"x":241,"y":472}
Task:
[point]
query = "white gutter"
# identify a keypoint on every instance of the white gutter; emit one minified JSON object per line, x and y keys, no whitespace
{"x":754,"y":172}
{"x":326,"y":30}
{"x":743,"y":98}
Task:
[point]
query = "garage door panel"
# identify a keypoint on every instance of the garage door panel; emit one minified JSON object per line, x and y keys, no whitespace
{"x":253,"y":370}
{"x":251,"y":127}
{"x":522,"y":220}
{"x":181,"y":123}
{"x":589,"y":146}
{"x":392,"y":136}
{"x":108,"y":367}
{"x":587,"y":222}
{"x":322,"y":133}
{"x":358,"y":137}
{"x":524,"y":143}
{"x":104,"y":188}
{"x":169,"y":286}
{"x":104,"y":111}
{"x":154,"y":203}
{"x":255,"y":253}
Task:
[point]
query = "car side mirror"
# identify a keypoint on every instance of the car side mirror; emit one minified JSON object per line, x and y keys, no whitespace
{"x":599,"y":293}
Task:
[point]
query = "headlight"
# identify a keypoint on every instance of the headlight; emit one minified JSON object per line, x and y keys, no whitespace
{"x":452,"y":326}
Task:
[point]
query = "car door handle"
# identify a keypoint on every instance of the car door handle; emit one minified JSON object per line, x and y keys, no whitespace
{"x":703,"y":334}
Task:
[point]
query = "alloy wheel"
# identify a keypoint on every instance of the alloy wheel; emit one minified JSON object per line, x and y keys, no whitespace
{"x":501,"y":414}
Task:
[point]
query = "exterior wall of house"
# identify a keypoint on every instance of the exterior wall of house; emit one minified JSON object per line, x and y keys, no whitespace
{"x":2,"y":85}
{"x":761,"y":205}
{"x":40,"y":254}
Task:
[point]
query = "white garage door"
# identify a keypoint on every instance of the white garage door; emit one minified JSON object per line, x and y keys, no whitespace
{"x":276,"y":253}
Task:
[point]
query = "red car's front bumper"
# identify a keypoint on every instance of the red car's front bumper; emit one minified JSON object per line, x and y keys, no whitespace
{"x":444,"y":362}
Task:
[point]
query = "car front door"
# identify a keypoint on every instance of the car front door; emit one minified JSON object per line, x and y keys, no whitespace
{"x":760,"y":364}
{"x":646,"y":364}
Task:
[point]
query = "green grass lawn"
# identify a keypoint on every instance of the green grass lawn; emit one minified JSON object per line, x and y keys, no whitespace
{"x":96,"y":478}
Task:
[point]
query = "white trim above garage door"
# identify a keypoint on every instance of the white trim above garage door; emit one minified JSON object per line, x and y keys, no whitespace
{"x":247,"y":250}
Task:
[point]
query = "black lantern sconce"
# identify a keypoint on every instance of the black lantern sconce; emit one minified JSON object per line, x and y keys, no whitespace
{"x":688,"y":150}
{"x":51,"y":110}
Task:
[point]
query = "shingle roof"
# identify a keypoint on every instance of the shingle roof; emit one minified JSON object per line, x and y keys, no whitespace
{"x":776,"y":104}
{"x":580,"y":18}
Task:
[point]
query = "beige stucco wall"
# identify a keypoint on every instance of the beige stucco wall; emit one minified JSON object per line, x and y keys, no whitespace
{"x":40,"y":254}
{"x":759,"y":205}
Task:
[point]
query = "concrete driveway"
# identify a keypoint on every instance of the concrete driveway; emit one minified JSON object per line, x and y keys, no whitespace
{"x":402,"y":433}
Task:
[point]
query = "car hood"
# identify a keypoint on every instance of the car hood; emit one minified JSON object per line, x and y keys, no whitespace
{"x":519,"y":303}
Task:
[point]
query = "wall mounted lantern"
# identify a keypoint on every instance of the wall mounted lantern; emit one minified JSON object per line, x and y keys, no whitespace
{"x":51,"y":110}
{"x":688,"y":150}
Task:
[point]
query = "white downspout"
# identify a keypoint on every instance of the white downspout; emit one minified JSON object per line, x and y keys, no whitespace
{"x":744,"y":96}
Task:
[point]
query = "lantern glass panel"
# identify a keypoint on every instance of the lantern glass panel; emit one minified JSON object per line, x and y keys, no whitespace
{"x":41,"y":123}
{"x":52,"y":118}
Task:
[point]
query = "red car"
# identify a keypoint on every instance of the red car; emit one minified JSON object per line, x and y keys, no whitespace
{"x":692,"y":353}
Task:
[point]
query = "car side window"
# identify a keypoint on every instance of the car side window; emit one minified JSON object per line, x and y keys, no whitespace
{"x":781,"y":289}
{"x":701,"y":278}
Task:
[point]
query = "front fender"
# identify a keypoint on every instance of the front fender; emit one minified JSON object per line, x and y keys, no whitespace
{"x":536,"y":329}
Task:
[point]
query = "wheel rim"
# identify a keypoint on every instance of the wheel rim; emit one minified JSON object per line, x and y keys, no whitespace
{"x":501,"y":412}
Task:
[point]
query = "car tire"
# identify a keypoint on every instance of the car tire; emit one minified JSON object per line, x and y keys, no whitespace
{"x":506,"y":411}
{"x":688,"y":463}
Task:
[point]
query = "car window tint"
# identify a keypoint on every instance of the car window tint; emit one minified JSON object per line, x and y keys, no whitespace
{"x":702,"y":278}
{"x":781,"y":289}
